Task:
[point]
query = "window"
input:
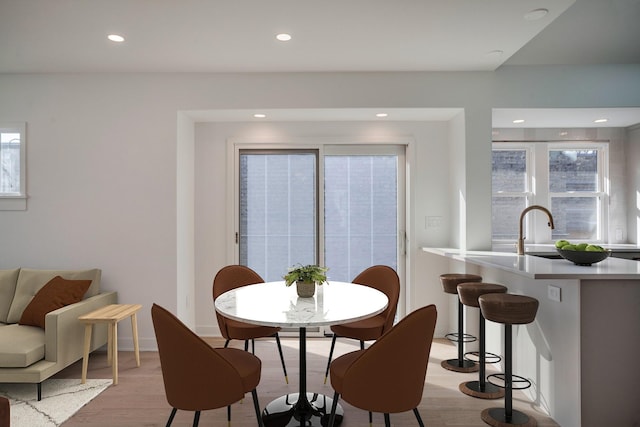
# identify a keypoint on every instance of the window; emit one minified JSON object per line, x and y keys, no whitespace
{"x":12,"y":166}
{"x":511,"y":183}
{"x":568,"y":178}
{"x":575,"y":192}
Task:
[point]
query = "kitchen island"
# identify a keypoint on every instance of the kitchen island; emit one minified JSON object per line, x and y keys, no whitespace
{"x":581,"y":352}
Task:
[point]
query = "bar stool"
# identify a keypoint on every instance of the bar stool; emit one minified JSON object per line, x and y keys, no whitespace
{"x":469,"y":294}
{"x":450,"y":282}
{"x":509,"y":310}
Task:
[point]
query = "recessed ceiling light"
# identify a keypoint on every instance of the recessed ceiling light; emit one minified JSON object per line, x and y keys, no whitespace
{"x":600,"y":121}
{"x":517,"y":121}
{"x":283,"y":37}
{"x":381,"y":115}
{"x":535,"y":14}
{"x":115,"y":38}
{"x":259,"y":116}
{"x":495,"y":53}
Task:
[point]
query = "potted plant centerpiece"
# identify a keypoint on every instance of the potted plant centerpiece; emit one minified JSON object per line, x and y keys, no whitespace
{"x":306,"y":277}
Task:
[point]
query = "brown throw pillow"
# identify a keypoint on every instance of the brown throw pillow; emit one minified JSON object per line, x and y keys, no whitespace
{"x":57,"y":293}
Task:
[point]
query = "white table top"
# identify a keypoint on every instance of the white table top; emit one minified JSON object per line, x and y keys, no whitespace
{"x":274,"y":304}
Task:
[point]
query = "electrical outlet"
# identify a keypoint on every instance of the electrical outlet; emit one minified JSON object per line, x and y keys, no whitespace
{"x":554,"y":293}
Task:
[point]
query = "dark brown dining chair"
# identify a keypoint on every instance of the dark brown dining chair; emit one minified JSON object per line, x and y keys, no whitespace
{"x":198,"y":377}
{"x":389,"y":376}
{"x":386,"y":280}
{"x":232,"y":277}
{"x":5,"y":412}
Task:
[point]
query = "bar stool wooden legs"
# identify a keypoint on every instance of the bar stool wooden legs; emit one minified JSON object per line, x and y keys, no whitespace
{"x":509,"y":310}
{"x":450,"y":284}
{"x":469,"y":294}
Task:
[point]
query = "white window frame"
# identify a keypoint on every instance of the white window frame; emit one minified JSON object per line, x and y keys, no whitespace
{"x":16,"y":201}
{"x":537,"y":192}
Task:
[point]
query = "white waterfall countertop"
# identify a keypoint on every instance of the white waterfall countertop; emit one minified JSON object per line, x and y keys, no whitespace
{"x":536,"y":267}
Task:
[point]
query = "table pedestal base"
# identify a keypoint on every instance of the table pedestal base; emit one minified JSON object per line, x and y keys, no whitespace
{"x":290,"y":410}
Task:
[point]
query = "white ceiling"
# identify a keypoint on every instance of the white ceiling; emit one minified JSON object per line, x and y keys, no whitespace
{"x":330,"y":36}
{"x":565,"y":117}
{"x":239,"y":35}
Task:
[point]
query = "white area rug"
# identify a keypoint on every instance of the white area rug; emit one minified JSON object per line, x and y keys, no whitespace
{"x":61,"y":398}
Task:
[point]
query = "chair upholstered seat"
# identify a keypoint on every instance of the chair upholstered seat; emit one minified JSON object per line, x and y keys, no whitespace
{"x":339,"y":367}
{"x":237,"y":330}
{"x":366,"y":329}
{"x":247,"y":365}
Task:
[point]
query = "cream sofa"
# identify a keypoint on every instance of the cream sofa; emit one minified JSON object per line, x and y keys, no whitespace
{"x":29,"y":354}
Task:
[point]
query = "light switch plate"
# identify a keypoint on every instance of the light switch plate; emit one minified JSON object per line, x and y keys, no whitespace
{"x":554,"y":293}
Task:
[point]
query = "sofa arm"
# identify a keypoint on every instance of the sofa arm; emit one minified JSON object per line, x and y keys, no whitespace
{"x":64,"y":334}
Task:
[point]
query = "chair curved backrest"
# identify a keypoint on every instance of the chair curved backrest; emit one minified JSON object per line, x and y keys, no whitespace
{"x":389,"y":376}
{"x":5,"y":412}
{"x":195,"y":376}
{"x":386,"y":280}
{"x":232,"y":277}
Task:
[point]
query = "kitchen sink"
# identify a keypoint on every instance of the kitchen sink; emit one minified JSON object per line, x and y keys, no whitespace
{"x":548,"y":255}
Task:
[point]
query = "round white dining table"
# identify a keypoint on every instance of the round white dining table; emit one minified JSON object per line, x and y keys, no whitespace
{"x":274,"y":304}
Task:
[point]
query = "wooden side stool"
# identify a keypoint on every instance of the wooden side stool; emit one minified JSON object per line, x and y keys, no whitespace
{"x":509,"y":310}
{"x":450,"y":282}
{"x":111,"y":315}
{"x":469,"y":294}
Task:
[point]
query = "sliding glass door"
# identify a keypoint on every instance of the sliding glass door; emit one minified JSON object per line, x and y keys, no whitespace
{"x":341,"y":206}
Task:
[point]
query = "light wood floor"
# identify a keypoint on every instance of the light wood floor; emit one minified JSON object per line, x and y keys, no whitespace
{"x":138,"y":400}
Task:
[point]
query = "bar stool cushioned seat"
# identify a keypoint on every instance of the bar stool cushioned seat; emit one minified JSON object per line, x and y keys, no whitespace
{"x":469,"y":294}
{"x":450,"y":282}
{"x":509,"y":310}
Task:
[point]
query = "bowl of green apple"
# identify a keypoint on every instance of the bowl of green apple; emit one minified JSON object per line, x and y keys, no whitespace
{"x":582,"y":253}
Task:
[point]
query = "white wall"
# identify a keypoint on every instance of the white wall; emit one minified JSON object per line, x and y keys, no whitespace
{"x":106,"y":166}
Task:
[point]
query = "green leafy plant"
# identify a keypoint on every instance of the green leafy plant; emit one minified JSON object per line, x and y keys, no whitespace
{"x":305,"y":273}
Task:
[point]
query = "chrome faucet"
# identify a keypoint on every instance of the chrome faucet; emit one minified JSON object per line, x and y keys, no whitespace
{"x":520,"y":245}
